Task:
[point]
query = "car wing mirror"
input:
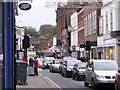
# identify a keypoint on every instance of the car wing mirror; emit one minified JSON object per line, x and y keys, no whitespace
{"x":119,"y":70}
{"x":90,"y":69}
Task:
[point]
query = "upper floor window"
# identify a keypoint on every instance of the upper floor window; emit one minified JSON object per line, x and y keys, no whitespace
{"x":111,"y":20}
{"x":101,"y":25}
{"x":107,"y":22}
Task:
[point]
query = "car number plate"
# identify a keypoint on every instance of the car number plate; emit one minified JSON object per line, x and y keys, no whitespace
{"x":111,"y":82}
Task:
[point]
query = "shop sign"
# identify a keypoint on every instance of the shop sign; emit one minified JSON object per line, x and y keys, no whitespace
{"x":115,"y":34}
{"x":24,"y":6}
{"x":100,"y":50}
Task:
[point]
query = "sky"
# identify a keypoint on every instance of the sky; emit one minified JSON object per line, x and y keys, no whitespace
{"x":38,"y":15}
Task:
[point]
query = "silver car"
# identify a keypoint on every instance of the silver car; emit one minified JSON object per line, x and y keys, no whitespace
{"x":54,"y":67}
{"x":46,"y":62}
{"x":100,"y":72}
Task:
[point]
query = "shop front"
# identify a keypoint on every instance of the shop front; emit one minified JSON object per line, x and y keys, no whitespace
{"x":109,"y":53}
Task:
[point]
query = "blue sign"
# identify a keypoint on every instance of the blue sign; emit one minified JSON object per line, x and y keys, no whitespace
{"x":24,"y":6}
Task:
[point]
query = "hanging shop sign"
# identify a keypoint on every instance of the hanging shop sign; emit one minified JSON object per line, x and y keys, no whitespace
{"x":24,"y":6}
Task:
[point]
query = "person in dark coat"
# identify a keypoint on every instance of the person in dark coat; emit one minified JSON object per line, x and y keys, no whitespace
{"x":31,"y":67}
{"x":31,"y":62}
{"x":36,"y":66}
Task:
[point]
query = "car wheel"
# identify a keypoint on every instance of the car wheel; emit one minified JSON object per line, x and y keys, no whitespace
{"x":86,"y":84}
{"x":78,"y":78}
{"x":50,"y":69}
{"x":66,"y":75}
{"x":93,"y":85}
{"x":62,"y":73}
{"x":73,"y":76}
{"x":116,"y":87}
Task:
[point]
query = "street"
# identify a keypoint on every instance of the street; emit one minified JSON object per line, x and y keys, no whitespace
{"x":66,"y":83}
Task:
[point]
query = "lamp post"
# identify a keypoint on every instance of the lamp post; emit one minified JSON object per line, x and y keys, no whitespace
{"x":8,"y":55}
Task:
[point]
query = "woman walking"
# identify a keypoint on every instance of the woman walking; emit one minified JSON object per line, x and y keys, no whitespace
{"x":36,"y":66}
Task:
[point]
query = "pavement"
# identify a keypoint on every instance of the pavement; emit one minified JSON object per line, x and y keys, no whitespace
{"x":38,"y":82}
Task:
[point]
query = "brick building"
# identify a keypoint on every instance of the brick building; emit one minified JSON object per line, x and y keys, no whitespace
{"x":91,"y":27}
{"x":63,"y":21}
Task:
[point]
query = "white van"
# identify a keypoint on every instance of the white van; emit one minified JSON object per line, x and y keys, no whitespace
{"x":100,"y":72}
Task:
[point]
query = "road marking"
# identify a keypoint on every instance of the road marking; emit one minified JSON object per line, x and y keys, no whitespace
{"x":41,"y":74}
{"x":39,"y":69}
{"x":57,"y":86}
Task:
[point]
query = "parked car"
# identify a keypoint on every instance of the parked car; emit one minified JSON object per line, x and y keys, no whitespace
{"x":40,"y":62}
{"x":68,"y":58}
{"x":66,"y":69}
{"x":46,"y":62}
{"x":100,"y":72}
{"x":117,"y":80}
{"x":54,"y":67}
{"x":79,"y":71}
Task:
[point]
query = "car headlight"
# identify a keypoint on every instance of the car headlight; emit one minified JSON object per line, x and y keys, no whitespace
{"x":45,"y":63}
{"x":68,"y":69}
{"x":81,"y":72}
{"x":99,"y":76}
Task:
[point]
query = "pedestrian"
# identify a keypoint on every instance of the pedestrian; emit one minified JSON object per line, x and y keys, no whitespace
{"x":36,"y":66}
{"x":25,"y":59}
{"x":31,"y":67}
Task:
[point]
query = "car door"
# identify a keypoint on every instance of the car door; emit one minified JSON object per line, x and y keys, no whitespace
{"x":88,"y":72}
{"x":75,"y":70}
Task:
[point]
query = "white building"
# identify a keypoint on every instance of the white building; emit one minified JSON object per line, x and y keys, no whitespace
{"x":108,"y":46}
{"x":19,"y":37}
{"x":74,"y":34}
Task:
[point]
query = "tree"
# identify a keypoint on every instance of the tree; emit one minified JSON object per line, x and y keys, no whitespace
{"x":47,"y":31}
{"x":31,"y":31}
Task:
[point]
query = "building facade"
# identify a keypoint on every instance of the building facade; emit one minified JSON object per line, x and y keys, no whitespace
{"x":91,"y":28}
{"x":108,"y":40}
{"x":63,"y":21}
{"x":81,"y":31}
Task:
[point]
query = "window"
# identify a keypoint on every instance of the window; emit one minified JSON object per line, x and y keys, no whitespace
{"x":101,"y":25}
{"x":95,"y":21}
{"x":85,"y":23}
{"x":111,"y":20}
{"x":107,"y":22}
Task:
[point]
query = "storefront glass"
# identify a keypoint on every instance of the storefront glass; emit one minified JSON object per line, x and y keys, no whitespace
{"x":109,"y":52}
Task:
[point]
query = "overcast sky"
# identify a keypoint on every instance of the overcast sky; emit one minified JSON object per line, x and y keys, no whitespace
{"x":37,"y":15}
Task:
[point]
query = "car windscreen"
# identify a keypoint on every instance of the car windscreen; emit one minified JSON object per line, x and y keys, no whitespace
{"x":66,"y":59}
{"x":105,"y":66}
{"x":81,"y":65}
{"x":71,"y":63}
{"x":57,"y":61}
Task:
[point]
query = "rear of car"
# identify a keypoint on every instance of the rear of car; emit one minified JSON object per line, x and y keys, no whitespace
{"x":54,"y":67}
{"x":68,"y":67}
{"x":47,"y":61}
{"x":78,"y":72}
{"x":100,"y":72}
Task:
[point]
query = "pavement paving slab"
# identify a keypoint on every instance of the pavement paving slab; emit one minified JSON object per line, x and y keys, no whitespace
{"x":36,"y":82}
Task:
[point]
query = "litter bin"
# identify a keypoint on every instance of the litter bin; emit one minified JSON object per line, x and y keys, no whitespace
{"x":21,"y":72}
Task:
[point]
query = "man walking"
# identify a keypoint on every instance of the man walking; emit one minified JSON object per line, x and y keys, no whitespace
{"x":36,"y":66}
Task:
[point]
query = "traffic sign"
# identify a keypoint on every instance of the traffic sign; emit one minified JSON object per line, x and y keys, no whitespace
{"x":24,"y":6}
